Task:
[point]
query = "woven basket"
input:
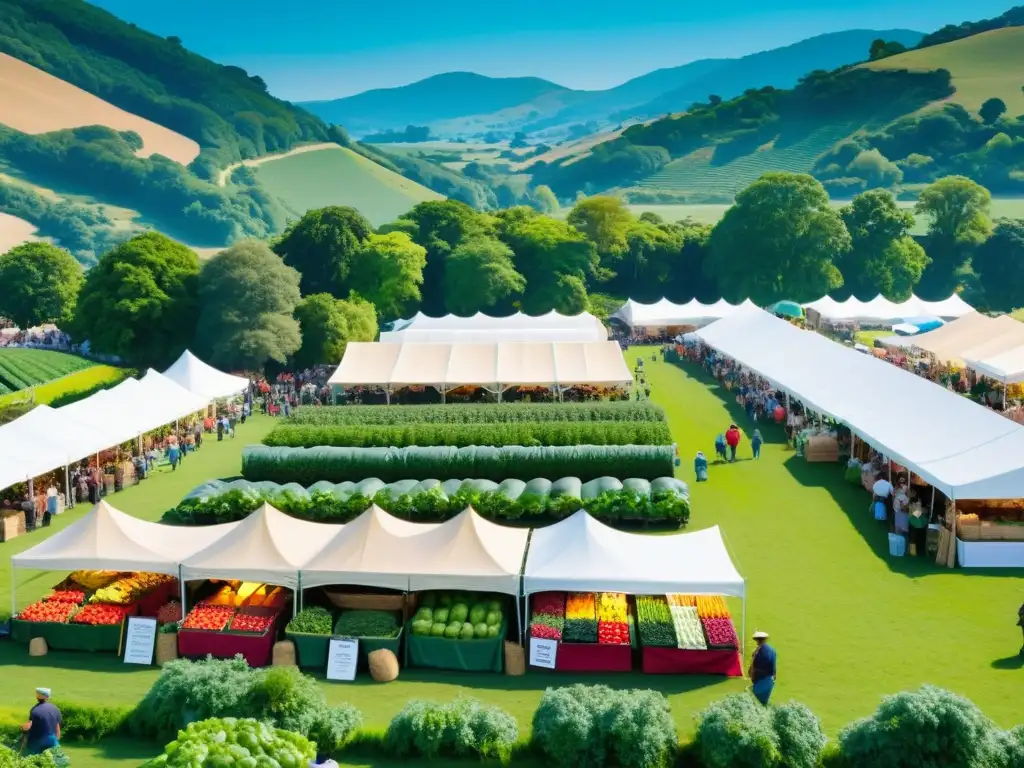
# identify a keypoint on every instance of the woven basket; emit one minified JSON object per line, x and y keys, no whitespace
{"x":515,"y":660}
{"x":37,"y":647}
{"x":166,"y":648}
{"x":284,"y":654}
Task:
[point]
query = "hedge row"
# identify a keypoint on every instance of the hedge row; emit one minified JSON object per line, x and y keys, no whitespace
{"x":663,"y":500}
{"x":587,"y":462}
{"x":461,"y":435}
{"x":498,"y":413}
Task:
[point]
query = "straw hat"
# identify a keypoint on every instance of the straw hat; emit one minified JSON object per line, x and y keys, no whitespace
{"x":760,"y":635}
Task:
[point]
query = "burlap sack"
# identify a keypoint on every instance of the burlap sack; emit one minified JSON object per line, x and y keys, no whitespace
{"x":515,"y":660}
{"x":284,"y":654}
{"x":166,"y":648}
{"x":383,"y":665}
{"x":37,"y":647}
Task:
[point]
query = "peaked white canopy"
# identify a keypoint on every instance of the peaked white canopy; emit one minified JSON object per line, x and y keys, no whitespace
{"x":1007,"y":367}
{"x":664,"y":313}
{"x":582,"y":555}
{"x":267,"y":546}
{"x":109,"y":540}
{"x":201,"y":379}
{"x":553,"y":326}
{"x":495,"y":366}
{"x":374,"y":550}
{"x":467,"y":552}
{"x":881,"y":310}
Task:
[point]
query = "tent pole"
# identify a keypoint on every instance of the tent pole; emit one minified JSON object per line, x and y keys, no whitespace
{"x":14,"y":588}
{"x":181,"y":583}
{"x":68,"y":496}
{"x":298,"y":593}
{"x":743,"y":627}
{"x":931,"y":509}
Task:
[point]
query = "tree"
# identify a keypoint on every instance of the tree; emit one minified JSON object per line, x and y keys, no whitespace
{"x":321,"y":246}
{"x":247,"y":296}
{"x":329,"y":324}
{"x":883,"y":257}
{"x":875,"y":168}
{"x":779,"y":241}
{"x":653,"y":250}
{"x":882,"y":49}
{"x":604,"y":220}
{"x":992,"y":110}
{"x":957,"y":209}
{"x":140,"y":301}
{"x":388,"y":272}
{"x":39,"y":283}
{"x":480,"y":275}
{"x":999,"y":262}
{"x":544,"y":199}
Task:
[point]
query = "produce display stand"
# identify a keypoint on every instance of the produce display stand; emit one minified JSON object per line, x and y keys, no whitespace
{"x":258,"y":649}
{"x":678,"y":661}
{"x":477,"y":655}
{"x":312,"y":650}
{"x":70,"y":636}
{"x":150,"y":604}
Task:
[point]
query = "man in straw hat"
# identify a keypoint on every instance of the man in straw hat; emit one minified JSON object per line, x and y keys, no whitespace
{"x":762,"y":668}
{"x":42,"y":731}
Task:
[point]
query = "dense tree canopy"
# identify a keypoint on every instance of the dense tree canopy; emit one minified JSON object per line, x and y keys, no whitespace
{"x":604,"y":220}
{"x":480,"y":276}
{"x":779,"y":241}
{"x":247,"y":296}
{"x":39,"y":283}
{"x":140,"y":301}
{"x":328,"y":324}
{"x":992,"y":110}
{"x":999,"y":262}
{"x":388,"y":272}
{"x":957,"y":211}
{"x":322,"y":245}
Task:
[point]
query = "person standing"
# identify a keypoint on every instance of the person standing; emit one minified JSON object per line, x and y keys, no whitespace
{"x":42,"y":730}
{"x":197,"y":434}
{"x":732,"y":439}
{"x":880,"y":493}
{"x":173,"y":455}
{"x":762,"y":669}
{"x":220,"y":430}
{"x":755,"y":444}
{"x":700,"y":467}
{"x":1020,"y":623}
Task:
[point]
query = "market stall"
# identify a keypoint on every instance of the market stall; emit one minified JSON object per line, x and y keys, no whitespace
{"x":579,"y":573}
{"x":193,"y":374}
{"x":261,"y":555}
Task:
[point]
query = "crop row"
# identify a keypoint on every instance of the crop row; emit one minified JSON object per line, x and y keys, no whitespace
{"x":587,"y":462}
{"x":460,"y":435}
{"x":664,"y":499}
{"x":24,"y":368}
{"x":476,"y":414}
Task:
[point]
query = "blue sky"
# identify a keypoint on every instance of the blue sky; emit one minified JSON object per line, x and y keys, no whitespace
{"x":320,"y":49}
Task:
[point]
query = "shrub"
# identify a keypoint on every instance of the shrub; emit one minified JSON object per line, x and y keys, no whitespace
{"x":929,"y":727}
{"x":801,"y":739}
{"x":737,"y":732}
{"x":462,"y":728}
{"x":229,"y":741}
{"x":595,"y":725}
{"x":11,"y":759}
{"x":587,"y":462}
{"x":476,"y":414}
{"x":462,"y":435}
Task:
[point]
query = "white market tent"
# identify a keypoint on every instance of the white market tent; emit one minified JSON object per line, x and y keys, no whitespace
{"x":960,"y":447}
{"x":1007,"y":367}
{"x":449,"y":329}
{"x":881,"y":310}
{"x":109,"y":540}
{"x":374,"y":550}
{"x":204,"y":380}
{"x":665,"y":314}
{"x":953,"y":342}
{"x":494,"y":366}
{"x":268,"y":546}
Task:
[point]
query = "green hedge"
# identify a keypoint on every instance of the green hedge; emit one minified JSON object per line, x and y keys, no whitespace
{"x":498,"y":413}
{"x":665,"y":500}
{"x":587,"y":462}
{"x":462,"y":435}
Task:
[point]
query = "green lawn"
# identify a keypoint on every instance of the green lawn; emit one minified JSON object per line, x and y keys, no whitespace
{"x":850,"y":624}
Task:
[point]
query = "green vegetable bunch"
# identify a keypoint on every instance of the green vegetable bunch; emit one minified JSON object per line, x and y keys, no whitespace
{"x":504,"y":413}
{"x":655,"y":619}
{"x":229,"y":742}
{"x":361,"y":623}
{"x":312,"y":621}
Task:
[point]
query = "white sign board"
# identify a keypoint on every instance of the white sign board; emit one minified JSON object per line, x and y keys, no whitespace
{"x":140,"y":640}
{"x":342,"y":655}
{"x":543,"y":653}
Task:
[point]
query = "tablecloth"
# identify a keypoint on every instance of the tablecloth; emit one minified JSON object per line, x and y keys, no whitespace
{"x":593,"y":657}
{"x":676,"y":661}
{"x":257,"y":649}
{"x":487,"y":655}
{"x":69,"y":637}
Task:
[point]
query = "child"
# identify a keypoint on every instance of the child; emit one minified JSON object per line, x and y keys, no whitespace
{"x":700,"y":467}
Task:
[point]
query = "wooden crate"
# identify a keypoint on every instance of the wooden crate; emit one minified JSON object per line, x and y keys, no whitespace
{"x":12,"y":524}
{"x":970,"y":532}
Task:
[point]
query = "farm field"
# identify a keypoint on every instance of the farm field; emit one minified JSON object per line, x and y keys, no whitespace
{"x":34,"y":101}
{"x":82,"y":382}
{"x":983,"y":66}
{"x":26,"y":368}
{"x":338,"y":176}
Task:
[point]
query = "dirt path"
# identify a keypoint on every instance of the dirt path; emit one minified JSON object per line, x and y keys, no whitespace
{"x":225,"y":174}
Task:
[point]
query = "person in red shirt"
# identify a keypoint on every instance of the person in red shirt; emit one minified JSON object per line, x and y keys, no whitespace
{"x":732,"y":439}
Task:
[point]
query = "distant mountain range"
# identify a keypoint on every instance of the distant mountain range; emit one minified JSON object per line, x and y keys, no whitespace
{"x":466,"y":104}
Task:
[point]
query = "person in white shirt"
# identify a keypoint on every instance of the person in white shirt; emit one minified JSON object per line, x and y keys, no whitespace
{"x":880,"y":493}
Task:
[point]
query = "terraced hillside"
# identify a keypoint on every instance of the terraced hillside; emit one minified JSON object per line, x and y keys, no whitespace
{"x":25,"y":368}
{"x":699,"y":175}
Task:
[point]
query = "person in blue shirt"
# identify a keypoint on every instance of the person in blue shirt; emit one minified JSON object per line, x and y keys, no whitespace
{"x":755,"y":443}
{"x":42,"y":730}
{"x":762,"y":669}
{"x":700,"y":467}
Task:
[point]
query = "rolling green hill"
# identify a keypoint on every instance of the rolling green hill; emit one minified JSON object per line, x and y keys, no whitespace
{"x":339,"y":176}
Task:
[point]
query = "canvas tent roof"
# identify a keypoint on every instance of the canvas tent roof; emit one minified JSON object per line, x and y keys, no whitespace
{"x":665,"y":313}
{"x":1007,"y":367}
{"x":552,"y":326}
{"x":581,"y":554}
{"x":953,"y":340}
{"x":107,"y":539}
{"x":962,"y":448}
{"x":204,"y":380}
{"x":267,"y":546}
{"x":374,"y":550}
{"x":495,"y":365}
{"x":881,"y":310}
{"x":470,"y":553}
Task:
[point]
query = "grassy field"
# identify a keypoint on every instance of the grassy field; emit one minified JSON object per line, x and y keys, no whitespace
{"x":983,"y":66}
{"x":850,"y":623}
{"x":339,"y":176}
{"x":25,"y":368}
{"x":87,"y":380}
